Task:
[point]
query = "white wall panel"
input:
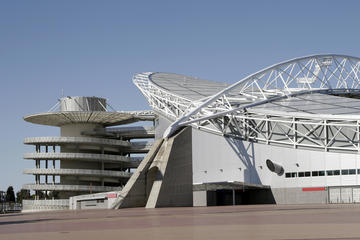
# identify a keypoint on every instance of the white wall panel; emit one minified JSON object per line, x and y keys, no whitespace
{"x":348,"y":161}
{"x":347,"y":180}
{"x":235,"y":160}
{"x":333,"y":181}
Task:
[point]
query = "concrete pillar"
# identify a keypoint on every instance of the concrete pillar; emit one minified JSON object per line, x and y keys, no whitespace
{"x":46,"y":167}
{"x":132,"y":195}
{"x":233,"y":197}
{"x":54,"y":175}
{"x":102,"y":162}
{"x":174,"y":163}
{"x":102,"y":166}
{"x":200,"y":198}
{"x":37,"y":177}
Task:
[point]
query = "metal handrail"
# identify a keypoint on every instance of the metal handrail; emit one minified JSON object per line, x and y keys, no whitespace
{"x":83,"y":172}
{"x":79,"y":140}
{"x":61,"y":187}
{"x":84,"y":157}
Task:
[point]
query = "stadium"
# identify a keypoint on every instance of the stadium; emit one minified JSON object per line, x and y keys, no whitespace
{"x":287,"y":134}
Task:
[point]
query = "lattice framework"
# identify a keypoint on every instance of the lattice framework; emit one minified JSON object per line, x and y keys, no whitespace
{"x":230,"y":112}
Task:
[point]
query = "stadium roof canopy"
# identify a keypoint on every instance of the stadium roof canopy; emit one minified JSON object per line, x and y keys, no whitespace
{"x":307,"y":88}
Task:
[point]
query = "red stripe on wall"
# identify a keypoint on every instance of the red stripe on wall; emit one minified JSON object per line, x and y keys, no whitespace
{"x":112,"y":195}
{"x":314,"y":189}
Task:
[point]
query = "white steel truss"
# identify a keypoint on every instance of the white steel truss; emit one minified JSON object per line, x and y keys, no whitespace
{"x":229,"y":112}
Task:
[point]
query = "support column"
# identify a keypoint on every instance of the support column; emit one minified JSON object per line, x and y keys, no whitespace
{"x":326,"y":135}
{"x":233,"y":196}
{"x":46,"y":165}
{"x":37,"y":165}
{"x":267,"y":130}
{"x":54,"y":165}
{"x":295,"y":132}
{"x":129,"y":169}
{"x":102,"y":166}
{"x":358,"y":135}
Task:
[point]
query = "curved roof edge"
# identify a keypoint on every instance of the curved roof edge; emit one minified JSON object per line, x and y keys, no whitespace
{"x":99,"y":117}
{"x":298,"y":75}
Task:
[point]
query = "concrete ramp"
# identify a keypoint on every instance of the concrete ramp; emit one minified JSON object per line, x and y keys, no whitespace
{"x":134,"y":192}
{"x":164,"y":177}
{"x":156,"y":172}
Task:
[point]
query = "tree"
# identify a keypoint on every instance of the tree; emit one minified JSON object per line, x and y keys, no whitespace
{"x":10,"y":195}
{"x":22,"y":194}
{"x":53,"y":194}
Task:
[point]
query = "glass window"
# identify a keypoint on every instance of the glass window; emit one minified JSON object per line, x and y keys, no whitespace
{"x":330,"y":173}
{"x":301,"y":174}
{"x":352,"y":171}
{"x":345,"y":172}
{"x":294,"y":174}
{"x":287,"y":175}
{"x":307,"y":174}
{"x":315,"y":173}
{"x":358,"y":171}
{"x":336,"y":172}
{"x":321,"y":173}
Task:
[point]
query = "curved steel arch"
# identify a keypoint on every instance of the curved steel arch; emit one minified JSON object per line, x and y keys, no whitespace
{"x":229,"y":111}
{"x":326,"y":72}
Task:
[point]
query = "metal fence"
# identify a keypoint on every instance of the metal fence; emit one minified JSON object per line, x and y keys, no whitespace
{"x":6,"y":207}
{"x":45,"y":205}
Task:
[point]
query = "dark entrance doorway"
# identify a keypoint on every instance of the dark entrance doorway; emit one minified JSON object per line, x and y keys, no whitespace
{"x":224,"y":197}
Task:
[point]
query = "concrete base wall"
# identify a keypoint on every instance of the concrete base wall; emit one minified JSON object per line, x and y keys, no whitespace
{"x":298,"y":196}
{"x":176,"y":188}
{"x":199,"y":199}
{"x":93,"y":201}
{"x":259,"y":196}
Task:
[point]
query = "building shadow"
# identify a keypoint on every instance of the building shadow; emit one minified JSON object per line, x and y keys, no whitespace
{"x":246,"y":155}
{"x":26,"y":221}
{"x":249,"y":195}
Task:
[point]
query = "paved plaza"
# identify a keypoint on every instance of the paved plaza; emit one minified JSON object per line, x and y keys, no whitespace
{"x":294,"y":222}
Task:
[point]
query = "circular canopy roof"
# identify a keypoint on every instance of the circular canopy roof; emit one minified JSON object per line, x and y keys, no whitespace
{"x":98,"y":117}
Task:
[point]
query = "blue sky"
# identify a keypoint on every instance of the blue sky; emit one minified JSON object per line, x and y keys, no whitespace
{"x":93,"y":48}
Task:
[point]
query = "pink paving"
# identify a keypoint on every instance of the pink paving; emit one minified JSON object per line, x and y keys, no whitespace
{"x":234,"y":222}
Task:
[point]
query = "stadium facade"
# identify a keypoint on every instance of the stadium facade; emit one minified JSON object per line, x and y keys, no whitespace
{"x":289,"y":133}
{"x":92,"y":154}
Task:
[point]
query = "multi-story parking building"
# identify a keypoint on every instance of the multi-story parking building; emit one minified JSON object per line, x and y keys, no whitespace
{"x":92,"y":154}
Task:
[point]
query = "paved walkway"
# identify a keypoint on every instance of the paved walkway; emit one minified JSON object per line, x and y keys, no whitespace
{"x":320,"y":222}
